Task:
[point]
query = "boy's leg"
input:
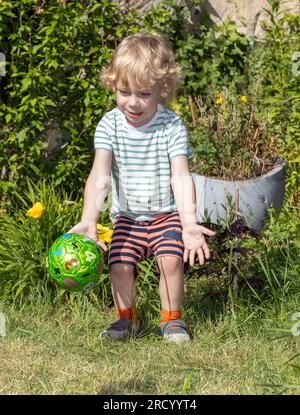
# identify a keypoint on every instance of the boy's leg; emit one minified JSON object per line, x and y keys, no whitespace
{"x":127,"y":247}
{"x":171,"y":284}
{"x":123,"y":285}
{"x":167,"y":245}
{"x":171,"y":289}
{"x":123,"y":289}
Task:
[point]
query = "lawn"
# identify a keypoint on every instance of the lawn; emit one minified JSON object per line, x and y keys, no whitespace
{"x":54,"y":349}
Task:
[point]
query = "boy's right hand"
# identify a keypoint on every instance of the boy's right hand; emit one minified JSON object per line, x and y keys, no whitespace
{"x":88,"y":229}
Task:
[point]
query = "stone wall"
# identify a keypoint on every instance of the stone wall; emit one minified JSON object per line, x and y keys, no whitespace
{"x":247,"y":14}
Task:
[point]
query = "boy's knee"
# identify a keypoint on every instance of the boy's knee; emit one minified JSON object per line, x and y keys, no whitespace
{"x":121,"y":269}
{"x":169,"y":264}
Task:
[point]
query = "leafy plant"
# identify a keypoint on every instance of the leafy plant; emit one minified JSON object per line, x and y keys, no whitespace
{"x":210,"y":55}
{"x":275,"y":64}
{"x":51,"y":97}
{"x":231,"y":139}
{"x":232,"y":251}
{"x":245,"y":264}
{"x":25,"y":240}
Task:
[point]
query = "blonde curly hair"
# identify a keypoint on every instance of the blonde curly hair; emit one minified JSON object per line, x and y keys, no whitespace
{"x":144,"y":59}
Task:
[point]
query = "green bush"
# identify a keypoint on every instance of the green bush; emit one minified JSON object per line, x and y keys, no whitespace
{"x":54,"y":55}
{"x":275,"y":66}
{"x":210,"y":55}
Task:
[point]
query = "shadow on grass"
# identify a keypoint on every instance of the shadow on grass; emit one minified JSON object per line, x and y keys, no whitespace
{"x":203,"y":303}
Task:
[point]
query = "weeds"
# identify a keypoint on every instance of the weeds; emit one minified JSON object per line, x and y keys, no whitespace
{"x":225,"y":126}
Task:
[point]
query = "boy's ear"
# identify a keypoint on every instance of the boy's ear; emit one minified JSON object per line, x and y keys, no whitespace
{"x":164,"y":93}
{"x":164,"y":89}
{"x":114,"y":86}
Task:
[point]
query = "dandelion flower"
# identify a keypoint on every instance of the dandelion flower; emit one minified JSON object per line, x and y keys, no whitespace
{"x":243,"y":99}
{"x":219,"y":100}
{"x":104,"y":233}
{"x":36,"y":211}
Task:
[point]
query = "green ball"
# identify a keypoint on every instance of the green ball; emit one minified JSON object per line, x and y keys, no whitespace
{"x":75,"y":262}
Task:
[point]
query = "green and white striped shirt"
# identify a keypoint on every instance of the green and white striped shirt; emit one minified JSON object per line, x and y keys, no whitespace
{"x":141,"y":167}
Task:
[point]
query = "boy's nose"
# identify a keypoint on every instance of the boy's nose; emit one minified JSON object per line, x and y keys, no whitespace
{"x":133,"y":101}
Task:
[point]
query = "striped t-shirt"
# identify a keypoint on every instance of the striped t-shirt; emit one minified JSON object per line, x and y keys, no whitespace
{"x":141,"y":168}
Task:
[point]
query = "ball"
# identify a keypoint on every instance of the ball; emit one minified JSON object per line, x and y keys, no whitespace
{"x":75,"y":262}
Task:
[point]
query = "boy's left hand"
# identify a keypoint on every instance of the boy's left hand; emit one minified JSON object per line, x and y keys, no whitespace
{"x":194,"y":242}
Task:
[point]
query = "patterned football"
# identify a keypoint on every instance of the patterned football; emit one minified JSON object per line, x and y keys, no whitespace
{"x":75,"y":262}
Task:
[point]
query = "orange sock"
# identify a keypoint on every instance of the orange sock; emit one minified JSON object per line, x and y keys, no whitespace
{"x":127,"y":313}
{"x":166,"y":316}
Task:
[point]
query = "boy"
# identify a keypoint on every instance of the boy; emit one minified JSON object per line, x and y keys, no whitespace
{"x":143,"y":149}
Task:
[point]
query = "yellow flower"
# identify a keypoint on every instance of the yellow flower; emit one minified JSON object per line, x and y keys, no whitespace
{"x":243,"y":99}
{"x":36,"y":211}
{"x":104,"y":233}
{"x":219,"y":100}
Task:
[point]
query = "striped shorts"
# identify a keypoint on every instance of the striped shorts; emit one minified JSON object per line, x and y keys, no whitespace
{"x":133,"y":241}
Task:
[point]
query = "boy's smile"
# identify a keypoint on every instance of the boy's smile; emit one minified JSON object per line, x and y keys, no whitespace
{"x":138,"y":105}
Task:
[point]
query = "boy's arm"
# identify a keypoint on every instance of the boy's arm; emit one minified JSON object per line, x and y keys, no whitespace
{"x":183,"y":190}
{"x":95,"y":191}
{"x":97,"y":186}
{"x":185,"y":198}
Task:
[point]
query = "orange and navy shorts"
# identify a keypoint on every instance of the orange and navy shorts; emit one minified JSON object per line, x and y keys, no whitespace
{"x":133,"y":240}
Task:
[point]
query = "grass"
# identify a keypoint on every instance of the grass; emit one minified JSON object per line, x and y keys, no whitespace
{"x":54,"y":349}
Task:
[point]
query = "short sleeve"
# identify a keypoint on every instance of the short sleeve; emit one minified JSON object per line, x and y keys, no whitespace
{"x":178,"y":143}
{"x":103,"y":134}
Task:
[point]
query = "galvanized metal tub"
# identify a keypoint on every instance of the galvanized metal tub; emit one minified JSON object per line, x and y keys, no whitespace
{"x":251,"y":197}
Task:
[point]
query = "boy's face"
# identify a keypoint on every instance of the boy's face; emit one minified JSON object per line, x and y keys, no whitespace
{"x":138,"y":105}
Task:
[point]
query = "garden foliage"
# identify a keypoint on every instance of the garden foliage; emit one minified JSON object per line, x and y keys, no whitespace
{"x":54,"y":52}
{"x":278,"y":67}
{"x":51,"y":100}
{"x":51,"y":97}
